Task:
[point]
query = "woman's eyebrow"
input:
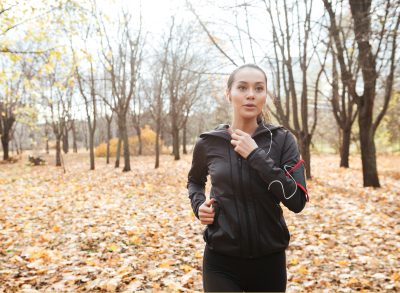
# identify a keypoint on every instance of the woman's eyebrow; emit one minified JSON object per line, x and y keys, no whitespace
{"x":246,"y":82}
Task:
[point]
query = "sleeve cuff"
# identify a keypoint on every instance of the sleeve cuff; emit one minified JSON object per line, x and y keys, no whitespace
{"x":252,"y":153}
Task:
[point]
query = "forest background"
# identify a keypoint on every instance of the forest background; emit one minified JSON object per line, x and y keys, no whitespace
{"x":87,"y":87}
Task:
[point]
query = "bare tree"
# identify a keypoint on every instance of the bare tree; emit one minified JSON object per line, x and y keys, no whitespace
{"x":136,"y":114}
{"x":57,"y":91}
{"x":47,"y":129}
{"x":183,"y":78}
{"x":123,"y":68}
{"x":154,"y":91}
{"x":108,"y":115}
{"x":343,"y":111}
{"x":88,"y":90}
{"x":192,"y":95}
{"x":343,"y":104}
{"x":73,"y":129}
{"x":7,"y":120}
{"x":295,"y":30}
{"x":368,"y":60}
{"x":90,"y":106}
{"x":14,"y":97}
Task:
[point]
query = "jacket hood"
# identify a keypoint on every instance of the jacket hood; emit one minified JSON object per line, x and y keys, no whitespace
{"x":222,"y":130}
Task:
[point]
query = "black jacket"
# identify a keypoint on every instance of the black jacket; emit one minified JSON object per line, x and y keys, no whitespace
{"x":248,"y":218}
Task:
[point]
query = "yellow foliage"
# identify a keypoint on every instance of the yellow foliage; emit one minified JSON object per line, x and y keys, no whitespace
{"x":48,"y":68}
{"x":148,"y":144}
{"x":2,"y":75}
{"x":15,"y":57}
{"x":56,"y":55}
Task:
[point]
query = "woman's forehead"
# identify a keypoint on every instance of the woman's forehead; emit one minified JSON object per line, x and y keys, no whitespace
{"x":249,"y":75}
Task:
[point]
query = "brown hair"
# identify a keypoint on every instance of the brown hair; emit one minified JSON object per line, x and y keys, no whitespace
{"x":231,"y":79}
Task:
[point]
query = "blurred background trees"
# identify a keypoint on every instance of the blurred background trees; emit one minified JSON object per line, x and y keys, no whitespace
{"x":115,"y":78}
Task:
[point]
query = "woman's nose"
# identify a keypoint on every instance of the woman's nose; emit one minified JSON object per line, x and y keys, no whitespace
{"x":250,"y":94}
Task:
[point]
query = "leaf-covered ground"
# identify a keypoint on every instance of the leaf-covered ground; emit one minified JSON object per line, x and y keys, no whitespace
{"x":105,"y":230}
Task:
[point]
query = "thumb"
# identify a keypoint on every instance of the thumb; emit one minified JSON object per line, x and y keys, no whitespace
{"x":210,"y":202}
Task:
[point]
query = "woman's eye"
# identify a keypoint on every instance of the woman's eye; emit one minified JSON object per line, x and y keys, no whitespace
{"x":242,"y":88}
{"x":259,"y":89}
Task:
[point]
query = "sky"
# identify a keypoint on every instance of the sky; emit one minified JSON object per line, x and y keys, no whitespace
{"x":217,"y":15}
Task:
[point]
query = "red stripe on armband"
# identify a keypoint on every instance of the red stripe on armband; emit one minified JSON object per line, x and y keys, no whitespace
{"x":287,"y":173}
{"x":295,"y":166}
{"x":305,"y":191}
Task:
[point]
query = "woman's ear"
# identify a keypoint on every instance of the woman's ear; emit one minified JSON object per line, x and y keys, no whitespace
{"x":228,"y":96}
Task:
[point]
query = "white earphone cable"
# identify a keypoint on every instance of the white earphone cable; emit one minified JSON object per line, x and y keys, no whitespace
{"x":284,"y":167}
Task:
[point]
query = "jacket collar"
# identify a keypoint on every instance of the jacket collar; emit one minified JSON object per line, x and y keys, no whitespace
{"x":222,"y":130}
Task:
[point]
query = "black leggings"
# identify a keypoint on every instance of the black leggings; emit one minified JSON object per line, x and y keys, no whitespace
{"x":225,"y":273}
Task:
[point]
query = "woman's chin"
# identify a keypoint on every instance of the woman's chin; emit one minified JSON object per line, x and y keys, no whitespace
{"x":249,"y":116}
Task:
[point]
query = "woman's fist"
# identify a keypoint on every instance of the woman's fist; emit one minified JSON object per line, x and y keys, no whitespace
{"x":243,"y":143}
{"x":206,"y":212}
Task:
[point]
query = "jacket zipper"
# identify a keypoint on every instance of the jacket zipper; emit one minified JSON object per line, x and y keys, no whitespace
{"x":245,"y":207}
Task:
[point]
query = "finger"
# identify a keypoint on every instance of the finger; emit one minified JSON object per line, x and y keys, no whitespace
{"x":240,"y":132}
{"x":235,"y":136}
{"x":207,"y":219}
{"x":210,"y":210}
{"x":209,"y":202}
{"x":207,"y":211}
{"x":206,"y":223}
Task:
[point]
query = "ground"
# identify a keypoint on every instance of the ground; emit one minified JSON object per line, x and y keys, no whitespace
{"x":106,"y":230}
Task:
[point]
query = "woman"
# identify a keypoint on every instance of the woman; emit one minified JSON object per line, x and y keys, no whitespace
{"x":253,"y":168}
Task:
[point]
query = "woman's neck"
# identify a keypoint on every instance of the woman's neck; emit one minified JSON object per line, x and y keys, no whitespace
{"x":248,"y":126}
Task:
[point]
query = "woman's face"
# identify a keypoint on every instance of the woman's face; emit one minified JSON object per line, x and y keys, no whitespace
{"x":248,"y":93}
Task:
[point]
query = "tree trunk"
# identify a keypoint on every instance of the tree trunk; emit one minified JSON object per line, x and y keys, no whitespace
{"x":74,"y":145}
{"x":18,"y":147}
{"x":362,"y":29}
{"x":158,"y":130}
{"x":91,"y":147}
{"x":139,"y":134}
{"x":12,"y":148}
{"x":184,"y":151}
{"x":345,"y":147}
{"x":58,"y":151}
{"x":118,"y":155}
{"x":124,"y":131}
{"x":86,"y":140}
{"x":47,"y":146}
{"x":15,"y":147}
{"x":368,"y":152}
{"x":305,"y":143}
{"x":65,"y":144}
{"x":175,"y":142}
{"x":108,"y":142}
{"x":5,"y":144}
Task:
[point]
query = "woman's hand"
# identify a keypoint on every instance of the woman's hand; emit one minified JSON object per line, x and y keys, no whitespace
{"x":206,"y":212}
{"x":243,"y":142}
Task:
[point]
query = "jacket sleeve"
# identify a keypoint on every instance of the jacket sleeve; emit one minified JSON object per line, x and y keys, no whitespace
{"x":286,"y":182}
{"x":197,"y":177}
